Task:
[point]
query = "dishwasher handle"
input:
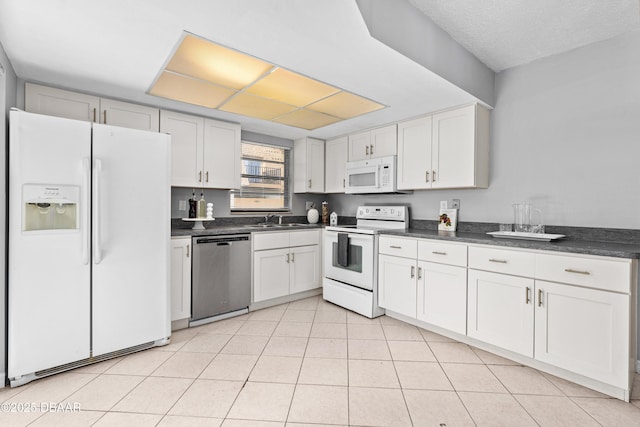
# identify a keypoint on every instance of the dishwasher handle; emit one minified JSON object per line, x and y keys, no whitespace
{"x":222,"y":240}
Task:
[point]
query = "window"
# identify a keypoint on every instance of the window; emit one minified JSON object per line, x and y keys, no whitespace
{"x":264,"y":178}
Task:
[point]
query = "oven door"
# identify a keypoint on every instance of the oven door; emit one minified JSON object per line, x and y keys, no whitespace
{"x":359,"y":270}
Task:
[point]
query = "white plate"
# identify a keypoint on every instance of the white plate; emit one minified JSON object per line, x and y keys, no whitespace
{"x":526,"y":236}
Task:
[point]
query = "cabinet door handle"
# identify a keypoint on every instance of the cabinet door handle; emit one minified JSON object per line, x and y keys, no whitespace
{"x":527,"y":295}
{"x":433,"y":176}
{"x":94,"y":115}
{"x":104,"y":113}
{"x":501,"y":261}
{"x":539,"y":297}
{"x":571,"y":270}
{"x":366,"y":150}
{"x":426,"y":176}
{"x":413,"y":272}
{"x":395,"y":247}
{"x":371,"y":149}
{"x":438,"y":253}
{"x":344,"y":183}
{"x":188,"y":251}
{"x":200,"y":176}
{"x":206,"y":176}
{"x":287,"y":258}
{"x":419,"y":272}
{"x":292,"y":258}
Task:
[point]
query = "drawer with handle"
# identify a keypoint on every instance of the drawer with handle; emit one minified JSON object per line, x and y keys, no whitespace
{"x":502,"y":261}
{"x":600,"y":273}
{"x":398,"y":246}
{"x":445,"y":253}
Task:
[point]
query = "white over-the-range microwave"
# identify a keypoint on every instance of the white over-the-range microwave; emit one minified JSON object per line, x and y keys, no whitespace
{"x":372,"y":176}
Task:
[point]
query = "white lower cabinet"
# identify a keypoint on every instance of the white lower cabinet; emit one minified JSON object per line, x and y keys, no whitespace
{"x":397,"y":284}
{"x":442,"y":296}
{"x":180,"y":278}
{"x":270,"y":274}
{"x":285,"y":263}
{"x":500,"y":310}
{"x":432,"y":292}
{"x":572,"y":315}
{"x":304,"y":269}
{"x":585,"y":331}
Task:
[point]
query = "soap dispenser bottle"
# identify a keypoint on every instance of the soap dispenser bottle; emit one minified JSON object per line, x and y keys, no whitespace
{"x":202,"y":206}
{"x":193,"y":210}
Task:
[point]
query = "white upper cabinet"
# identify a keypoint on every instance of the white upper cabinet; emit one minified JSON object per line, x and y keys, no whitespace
{"x":308,"y":165}
{"x":187,"y":139}
{"x":414,"y":154}
{"x":221,"y":155}
{"x":445,"y":150}
{"x":336,"y":156}
{"x":72,"y":105}
{"x":128,"y":115}
{"x":61,"y":103}
{"x":373,"y":143}
{"x":204,"y":153}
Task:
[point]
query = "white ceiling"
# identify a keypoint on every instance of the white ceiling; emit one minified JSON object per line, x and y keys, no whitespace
{"x":117,"y":47}
{"x":507,"y":33}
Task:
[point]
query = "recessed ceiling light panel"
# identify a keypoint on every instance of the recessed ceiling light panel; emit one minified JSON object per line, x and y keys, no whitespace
{"x":255,"y":106}
{"x":190,"y":90}
{"x":291,"y":88}
{"x":211,"y":62}
{"x":345,"y":105}
{"x":204,"y":73}
{"x":307,"y":119}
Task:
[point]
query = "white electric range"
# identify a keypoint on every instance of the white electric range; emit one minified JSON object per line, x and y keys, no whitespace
{"x":351,"y":270}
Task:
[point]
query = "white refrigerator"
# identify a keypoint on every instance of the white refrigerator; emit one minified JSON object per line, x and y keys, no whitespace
{"x":89,"y":233}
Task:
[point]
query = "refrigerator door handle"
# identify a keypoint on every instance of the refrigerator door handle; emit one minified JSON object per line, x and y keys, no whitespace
{"x":97,"y":250}
{"x":86,"y":238}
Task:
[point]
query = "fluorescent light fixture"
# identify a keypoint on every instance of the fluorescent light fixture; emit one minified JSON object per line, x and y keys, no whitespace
{"x":307,"y":119}
{"x":204,"y":73}
{"x":255,"y":106}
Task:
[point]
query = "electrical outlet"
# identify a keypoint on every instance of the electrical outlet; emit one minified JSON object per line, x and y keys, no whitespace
{"x":455,"y":204}
{"x":182,"y":205}
{"x":443,"y":204}
{"x":308,"y":205}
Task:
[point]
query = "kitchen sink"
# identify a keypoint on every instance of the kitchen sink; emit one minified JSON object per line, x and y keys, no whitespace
{"x":293,"y":224}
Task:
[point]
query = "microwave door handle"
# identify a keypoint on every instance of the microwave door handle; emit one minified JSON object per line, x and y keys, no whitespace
{"x":378,"y":176}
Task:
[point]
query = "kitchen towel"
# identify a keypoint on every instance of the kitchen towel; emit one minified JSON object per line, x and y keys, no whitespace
{"x":343,"y":249}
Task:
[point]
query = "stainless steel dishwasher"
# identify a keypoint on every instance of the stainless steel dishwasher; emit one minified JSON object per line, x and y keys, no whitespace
{"x":221,"y":282}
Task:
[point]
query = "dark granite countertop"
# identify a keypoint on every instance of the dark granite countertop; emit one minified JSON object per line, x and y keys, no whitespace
{"x":567,"y":244}
{"x":238,"y":229}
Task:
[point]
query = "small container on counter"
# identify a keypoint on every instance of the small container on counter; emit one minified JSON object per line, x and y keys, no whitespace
{"x":193,"y":206}
{"x":202,"y":207}
{"x":333,"y":219}
{"x":325,"y":213}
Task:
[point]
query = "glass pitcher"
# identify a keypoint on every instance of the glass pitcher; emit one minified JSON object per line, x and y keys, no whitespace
{"x":522,"y":217}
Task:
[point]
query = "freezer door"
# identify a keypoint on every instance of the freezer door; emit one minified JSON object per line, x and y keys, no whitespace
{"x":49,"y":270}
{"x":131,"y":236}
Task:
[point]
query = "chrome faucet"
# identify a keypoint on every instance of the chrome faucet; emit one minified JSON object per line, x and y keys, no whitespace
{"x":267,"y":217}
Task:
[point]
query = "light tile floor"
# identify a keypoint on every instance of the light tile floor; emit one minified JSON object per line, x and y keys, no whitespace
{"x":312,"y":363}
